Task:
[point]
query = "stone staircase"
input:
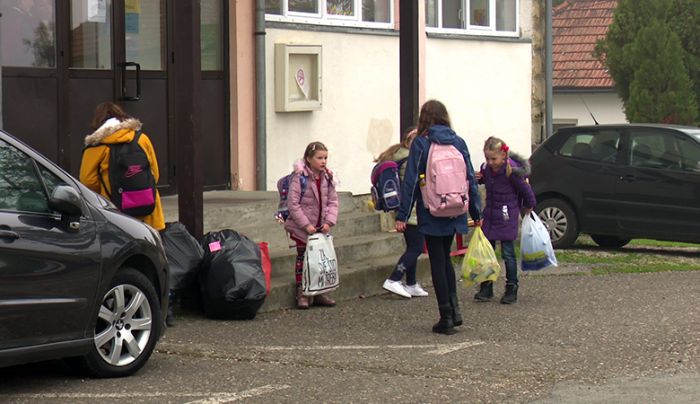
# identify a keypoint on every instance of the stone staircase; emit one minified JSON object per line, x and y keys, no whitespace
{"x":365,"y":247}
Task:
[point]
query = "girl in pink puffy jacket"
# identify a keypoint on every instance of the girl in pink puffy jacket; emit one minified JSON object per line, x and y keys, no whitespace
{"x":313,"y":207}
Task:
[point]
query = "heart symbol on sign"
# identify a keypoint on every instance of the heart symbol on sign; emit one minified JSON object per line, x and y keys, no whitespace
{"x":302,"y":82}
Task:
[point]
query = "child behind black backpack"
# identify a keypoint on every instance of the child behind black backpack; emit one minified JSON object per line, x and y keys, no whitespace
{"x":415,"y":241}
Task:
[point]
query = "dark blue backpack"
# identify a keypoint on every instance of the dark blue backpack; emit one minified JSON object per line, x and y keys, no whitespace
{"x":283,"y":189}
{"x":386,"y":185}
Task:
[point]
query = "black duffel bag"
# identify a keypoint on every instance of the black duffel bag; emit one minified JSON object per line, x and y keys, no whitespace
{"x":231,"y":277}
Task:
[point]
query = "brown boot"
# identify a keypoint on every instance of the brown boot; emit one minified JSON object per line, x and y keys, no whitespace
{"x":323,"y":300}
{"x":302,"y":301}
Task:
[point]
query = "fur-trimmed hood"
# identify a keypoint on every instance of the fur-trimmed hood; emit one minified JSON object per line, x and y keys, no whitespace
{"x":300,"y":167}
{"x":519,"y":165}
{"x":114,"y":131}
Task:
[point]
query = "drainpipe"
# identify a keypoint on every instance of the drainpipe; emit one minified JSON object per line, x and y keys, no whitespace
{"x":260,"y":108}
{"x":548,"y":67}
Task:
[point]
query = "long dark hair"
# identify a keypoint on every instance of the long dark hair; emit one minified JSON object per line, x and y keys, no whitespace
{"x":107,"y":110}
{"x":433,"y":112}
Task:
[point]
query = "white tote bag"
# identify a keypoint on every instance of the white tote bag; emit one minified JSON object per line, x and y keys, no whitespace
{"x":536,"y":250}
{"x":320,"y":266}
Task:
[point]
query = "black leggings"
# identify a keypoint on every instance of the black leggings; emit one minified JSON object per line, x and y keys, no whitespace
{"x":441,"y":268}
{"x":409,"y":260}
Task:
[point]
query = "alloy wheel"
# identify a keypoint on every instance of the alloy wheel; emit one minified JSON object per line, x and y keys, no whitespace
{"x":124,"y":325}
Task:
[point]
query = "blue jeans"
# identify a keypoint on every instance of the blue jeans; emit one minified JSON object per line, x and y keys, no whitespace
{"x":508,"y":255}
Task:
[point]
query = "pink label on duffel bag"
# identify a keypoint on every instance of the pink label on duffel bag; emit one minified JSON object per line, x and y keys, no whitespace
{"x":137,"y":199}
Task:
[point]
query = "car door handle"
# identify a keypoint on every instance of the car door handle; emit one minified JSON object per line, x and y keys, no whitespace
{"x":8,"y":234}
{"x":628,"y":178}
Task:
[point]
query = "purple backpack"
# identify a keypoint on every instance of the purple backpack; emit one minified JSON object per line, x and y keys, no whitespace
{"x":283,"y":189}
{"x":445,"y":185}
{"x":386,"y":185}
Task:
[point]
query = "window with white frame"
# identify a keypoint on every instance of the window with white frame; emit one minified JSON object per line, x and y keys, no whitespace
{"x":495,"y":17}
{"x":363,"y":13}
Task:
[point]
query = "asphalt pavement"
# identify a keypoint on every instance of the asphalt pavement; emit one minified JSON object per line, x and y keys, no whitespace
{"x":625,"y":338}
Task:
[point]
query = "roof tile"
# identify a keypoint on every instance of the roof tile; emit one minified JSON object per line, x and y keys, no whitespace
{"x":577,"y":25}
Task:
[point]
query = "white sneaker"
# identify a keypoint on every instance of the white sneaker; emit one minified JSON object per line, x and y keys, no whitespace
{"x":415,"y":290}
{"x":396,"y":287}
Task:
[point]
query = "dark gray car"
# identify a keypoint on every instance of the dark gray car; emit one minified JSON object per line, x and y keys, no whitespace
{"x":78,"y":279}
{"x":619,"y":182}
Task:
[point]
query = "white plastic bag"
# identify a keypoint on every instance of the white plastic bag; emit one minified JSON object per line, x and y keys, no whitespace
{"x":536,"y":250}
{"x":320,"y":266}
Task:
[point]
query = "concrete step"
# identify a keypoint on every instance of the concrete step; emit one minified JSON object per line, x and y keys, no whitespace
{"x":348,"y":250}
{"x":235,"y":209}
{"x":349,"y":224}
{"x":360,"y":278}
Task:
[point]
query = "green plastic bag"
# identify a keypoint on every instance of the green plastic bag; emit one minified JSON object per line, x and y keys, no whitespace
{"x":480,"y":264}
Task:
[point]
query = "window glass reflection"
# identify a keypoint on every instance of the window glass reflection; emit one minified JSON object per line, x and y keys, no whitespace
{"x":28,"y":33}
{"x":91,"y":39}
{"x":212,"y":12}
{"x":144,"y":33}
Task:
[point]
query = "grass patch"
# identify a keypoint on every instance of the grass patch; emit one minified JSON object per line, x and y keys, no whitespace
{"x":599,"y":257}
{"x":657,"y":243}
{"x":640,"y":258}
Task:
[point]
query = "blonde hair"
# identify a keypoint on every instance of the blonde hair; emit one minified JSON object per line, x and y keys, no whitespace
{"x":495,"y":144}
{"x":387,"y":154}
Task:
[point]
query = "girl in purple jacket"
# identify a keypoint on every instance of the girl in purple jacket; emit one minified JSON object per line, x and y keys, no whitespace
{"x":313,"y":207}
{"x":507,"y":192}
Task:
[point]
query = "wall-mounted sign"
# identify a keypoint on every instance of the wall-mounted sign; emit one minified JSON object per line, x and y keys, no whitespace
{"x":297,"y":77}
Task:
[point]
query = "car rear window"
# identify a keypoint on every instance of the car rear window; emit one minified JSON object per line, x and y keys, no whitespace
{"x":595,"y":145}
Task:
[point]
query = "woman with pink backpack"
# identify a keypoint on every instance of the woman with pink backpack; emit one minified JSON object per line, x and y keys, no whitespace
{"x":440,"y":181}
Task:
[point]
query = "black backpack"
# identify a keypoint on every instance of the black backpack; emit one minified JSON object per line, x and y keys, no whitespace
{"x":133,"y":185}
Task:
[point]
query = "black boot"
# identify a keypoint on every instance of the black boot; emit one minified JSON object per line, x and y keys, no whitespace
{"x":511,"y":295}
{"x":456,"y":315}
{"x":485,"y":292}
{"x":445,"y":325}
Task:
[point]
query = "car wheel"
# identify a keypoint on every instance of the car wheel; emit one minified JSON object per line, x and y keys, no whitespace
{"x":560,"y":220}
{"x":127,"y":328}
{"x":610,"y":241}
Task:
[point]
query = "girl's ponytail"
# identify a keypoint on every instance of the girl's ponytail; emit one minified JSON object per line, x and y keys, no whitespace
{"x":388,"y":153}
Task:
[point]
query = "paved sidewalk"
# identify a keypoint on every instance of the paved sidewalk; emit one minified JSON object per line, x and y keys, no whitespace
{"x":629,"y":338}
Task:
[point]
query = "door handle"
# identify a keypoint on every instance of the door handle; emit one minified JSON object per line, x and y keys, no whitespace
{"x":126,"y":97}
{"x":8,"y":235}
{"x":628,"y":178}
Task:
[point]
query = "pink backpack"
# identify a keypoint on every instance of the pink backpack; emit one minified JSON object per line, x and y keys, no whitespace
{"x":445,"y":186}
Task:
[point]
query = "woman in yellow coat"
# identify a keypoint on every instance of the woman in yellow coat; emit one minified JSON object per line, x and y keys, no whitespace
{"x":112,"y":125}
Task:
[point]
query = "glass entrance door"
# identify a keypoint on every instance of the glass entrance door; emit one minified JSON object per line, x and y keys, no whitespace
{"x":60,"y":59}
{"x":117,"y":53}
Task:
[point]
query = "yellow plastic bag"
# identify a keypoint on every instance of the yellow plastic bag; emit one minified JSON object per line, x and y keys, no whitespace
{"x":480,"y":264}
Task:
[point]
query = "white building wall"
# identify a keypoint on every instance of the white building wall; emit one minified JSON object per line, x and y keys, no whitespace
{"x":571,"y":107}
{"x":486,"y":87}
{"x":360,"y":112}
{"x":485,"y":84}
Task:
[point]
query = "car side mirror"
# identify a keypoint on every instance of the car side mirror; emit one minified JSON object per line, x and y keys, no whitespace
{"x":66,"y":200}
